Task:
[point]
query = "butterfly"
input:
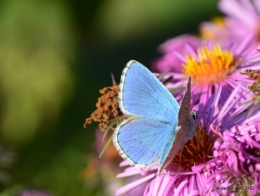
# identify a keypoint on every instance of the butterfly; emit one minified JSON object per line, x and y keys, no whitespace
{"x":156,"y":127}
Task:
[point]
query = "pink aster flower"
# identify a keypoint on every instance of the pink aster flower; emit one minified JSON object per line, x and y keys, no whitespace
{"x":236,"y":164}
{"x":209,"y":66}
{"x":219,"y":30}
{"x":243,"y":18}
{"x":169,"y":47}
{"x":211,"y":169}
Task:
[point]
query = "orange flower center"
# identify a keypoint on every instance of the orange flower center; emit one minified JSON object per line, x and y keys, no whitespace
{"x":212,"y":66}
{"x":194,"y":153}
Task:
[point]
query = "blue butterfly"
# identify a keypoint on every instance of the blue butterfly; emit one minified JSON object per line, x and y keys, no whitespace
{"x":156,"y":127}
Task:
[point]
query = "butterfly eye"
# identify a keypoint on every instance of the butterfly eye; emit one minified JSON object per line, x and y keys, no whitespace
{"x":193,"y":115}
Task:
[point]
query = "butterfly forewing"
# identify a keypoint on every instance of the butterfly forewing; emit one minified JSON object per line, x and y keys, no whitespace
{"x":142,"y":94}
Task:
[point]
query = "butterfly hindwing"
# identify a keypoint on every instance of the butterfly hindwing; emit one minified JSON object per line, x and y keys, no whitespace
{"x":186,"y":118}
{"x":186,"y":126}
{"x":144,"y":141}
{"x":184,"y":112}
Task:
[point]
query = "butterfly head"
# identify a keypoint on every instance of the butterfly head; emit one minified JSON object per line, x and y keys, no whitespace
{"x":193,"y":114}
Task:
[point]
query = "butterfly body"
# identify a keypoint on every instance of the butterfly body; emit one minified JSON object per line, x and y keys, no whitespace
{"x":154,"y":130}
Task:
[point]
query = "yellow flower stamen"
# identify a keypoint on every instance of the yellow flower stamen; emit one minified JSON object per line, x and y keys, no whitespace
{"x":212,"y":66}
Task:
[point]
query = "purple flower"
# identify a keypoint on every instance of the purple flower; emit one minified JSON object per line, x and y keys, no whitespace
{"x":169,"y":47}
{"x":223,"y":159}
{"x":237,"y":161}
{"x":219,"y":31}
{"x":209,"y":66}
{"x":243,"y":18}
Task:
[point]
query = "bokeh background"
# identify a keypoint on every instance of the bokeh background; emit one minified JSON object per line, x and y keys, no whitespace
{"x":54,"y":57}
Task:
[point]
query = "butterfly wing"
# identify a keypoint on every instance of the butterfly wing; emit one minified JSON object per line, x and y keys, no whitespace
{"x":142,"y":94}
{"x":148,"y":134}
{"x":184,"y":112}
{"x":186,"y":118}
{"x":143,"y":141}
{"x":186,"y":126}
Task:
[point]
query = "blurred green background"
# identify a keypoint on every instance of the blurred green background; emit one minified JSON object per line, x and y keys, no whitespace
{"x":54,"y":57}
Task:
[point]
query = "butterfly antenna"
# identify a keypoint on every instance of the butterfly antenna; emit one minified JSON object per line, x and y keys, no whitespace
{"x":208,"y":119}
{"x":200,"y":112}
{"x":213,"y":123}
